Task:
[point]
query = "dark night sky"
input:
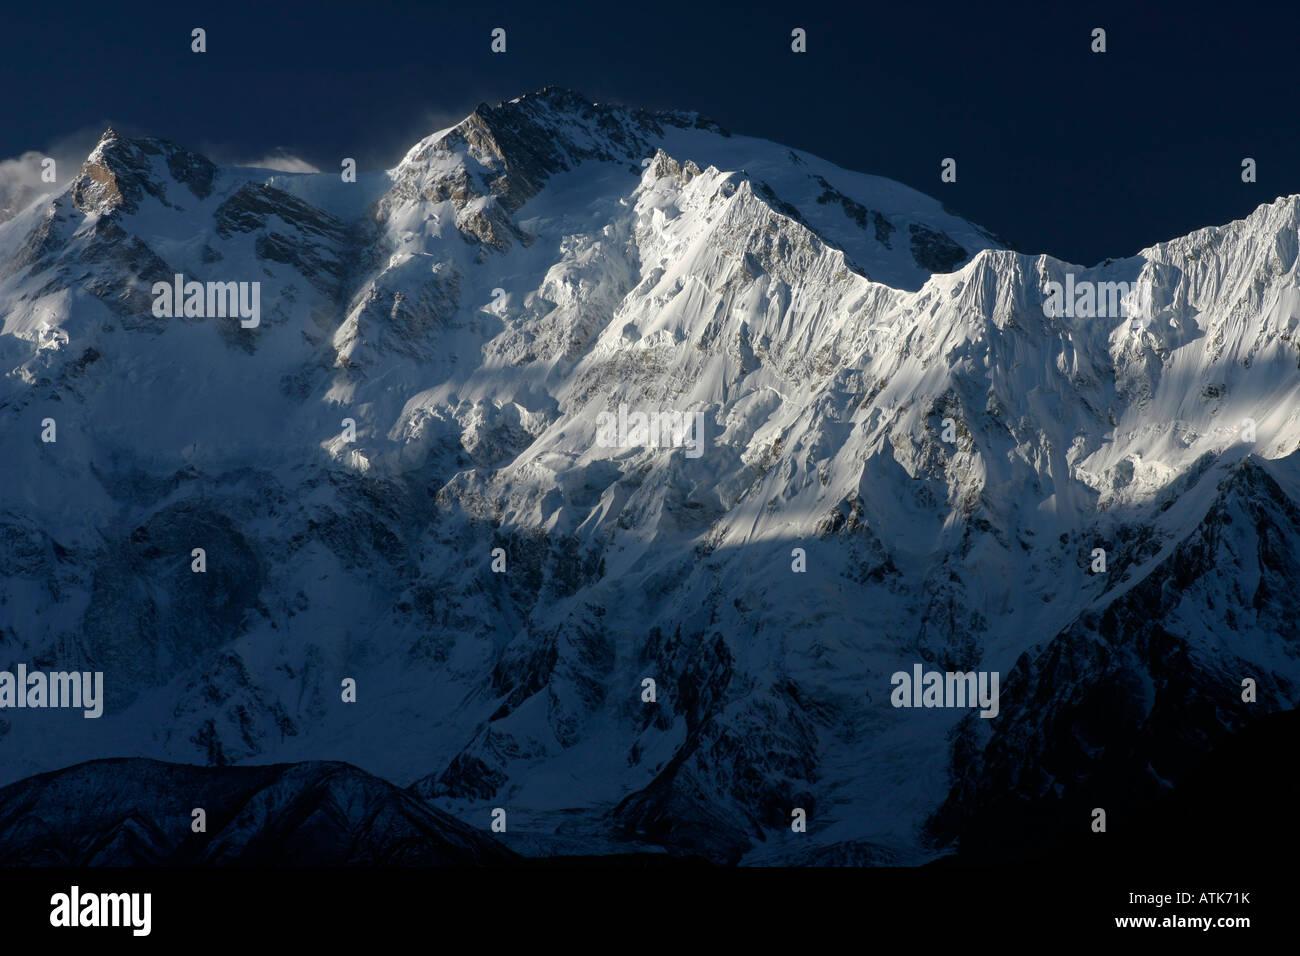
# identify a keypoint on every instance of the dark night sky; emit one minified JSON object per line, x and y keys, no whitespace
{"x":1059,"y":150}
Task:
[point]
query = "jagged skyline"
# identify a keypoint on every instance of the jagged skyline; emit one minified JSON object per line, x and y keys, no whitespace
{"x":1062,"y":151}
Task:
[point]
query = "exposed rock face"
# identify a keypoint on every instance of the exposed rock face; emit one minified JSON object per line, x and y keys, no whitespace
{"x":119,"y":173}
{"x":1126,"y":699}
{"x":935,"y":251}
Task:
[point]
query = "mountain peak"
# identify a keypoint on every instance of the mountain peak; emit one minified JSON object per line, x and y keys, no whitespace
{"x":552,"y":96}
{"x":515,"y":147}
{"x":119,"y":172}
{"x":606,"y":129}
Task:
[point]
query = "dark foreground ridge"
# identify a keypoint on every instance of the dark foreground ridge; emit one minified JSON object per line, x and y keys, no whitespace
{"x":131,"y":812}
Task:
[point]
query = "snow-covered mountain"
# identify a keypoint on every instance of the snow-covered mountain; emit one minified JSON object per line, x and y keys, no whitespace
{"x":440,"y":351}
